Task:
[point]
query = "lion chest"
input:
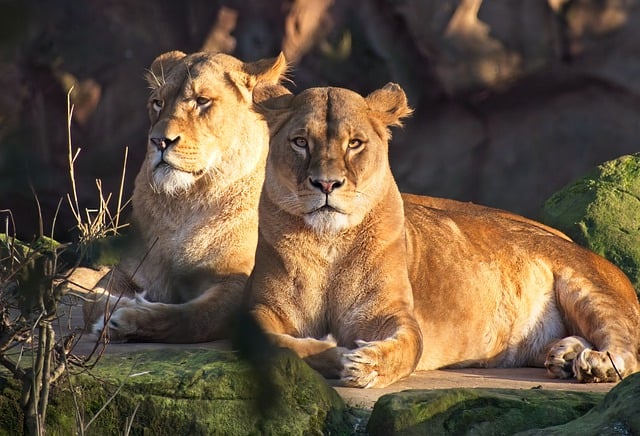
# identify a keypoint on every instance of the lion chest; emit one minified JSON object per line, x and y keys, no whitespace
{"x":193,"y":243}
{"x":319,"y":293}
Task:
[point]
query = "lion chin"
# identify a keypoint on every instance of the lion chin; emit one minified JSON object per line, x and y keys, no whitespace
{"x":327,"y":220}
{"x":171,"y":181}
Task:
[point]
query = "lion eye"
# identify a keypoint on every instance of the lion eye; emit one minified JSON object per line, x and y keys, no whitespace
{"x":300,"y":142}
{"x":157,"y":105}
{"x":355,"y":143}
{"x":203,"y":101}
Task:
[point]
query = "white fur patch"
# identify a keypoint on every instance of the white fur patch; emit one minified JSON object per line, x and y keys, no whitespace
{"x":170,"y":181}
{"x":97,"y":327}
{"x":325,"y":222}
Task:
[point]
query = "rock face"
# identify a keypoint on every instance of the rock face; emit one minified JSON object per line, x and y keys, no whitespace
{"x":195,"y":392}
{"x":513,"y":99}
{"x":476,"y":411}
{"x":601,"y":210}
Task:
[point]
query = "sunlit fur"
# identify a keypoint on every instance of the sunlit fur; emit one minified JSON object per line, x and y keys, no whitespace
{"x":401,"y":282}
{"x":195,"y":223}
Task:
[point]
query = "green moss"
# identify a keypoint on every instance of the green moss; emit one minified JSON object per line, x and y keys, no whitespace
{"x":169,"y":392}
{"x":11,"y":416}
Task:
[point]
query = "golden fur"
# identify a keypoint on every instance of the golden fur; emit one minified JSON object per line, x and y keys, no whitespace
{"x":367,"y":284}
{"x":194,"y":203}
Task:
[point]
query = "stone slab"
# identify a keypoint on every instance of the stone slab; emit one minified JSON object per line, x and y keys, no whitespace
{"x":508,"y":378}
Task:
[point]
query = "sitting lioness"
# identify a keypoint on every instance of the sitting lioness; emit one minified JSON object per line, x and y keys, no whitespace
{"x":368,"y":285}
{"x":195,"y":203}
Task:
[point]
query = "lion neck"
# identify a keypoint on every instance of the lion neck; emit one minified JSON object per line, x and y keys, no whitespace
{"x":207,"y":203}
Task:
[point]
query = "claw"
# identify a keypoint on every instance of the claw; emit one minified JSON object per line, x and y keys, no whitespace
{"x":360,"y":343}
{"x":359,"y":358}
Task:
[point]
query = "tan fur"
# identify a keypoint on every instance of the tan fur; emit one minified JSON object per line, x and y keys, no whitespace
{"x":381,"y":284}
{"x":194,"y":204}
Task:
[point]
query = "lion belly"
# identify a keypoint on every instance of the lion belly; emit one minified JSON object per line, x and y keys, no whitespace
{"x":479,"y":300}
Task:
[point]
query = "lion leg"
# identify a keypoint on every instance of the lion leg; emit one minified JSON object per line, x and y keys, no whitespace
{"x":323,"y":355}
{"x":603,"y":309}
{"x":202,"y":319}
{"x":379,"y":363}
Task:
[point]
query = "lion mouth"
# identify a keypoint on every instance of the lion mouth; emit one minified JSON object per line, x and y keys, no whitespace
{"x":326,"y":209}
{"x":165,"y":166}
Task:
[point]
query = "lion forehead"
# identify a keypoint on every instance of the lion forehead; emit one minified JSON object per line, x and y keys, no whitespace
{"x":331,"y":112}
{"x":197,"y":73}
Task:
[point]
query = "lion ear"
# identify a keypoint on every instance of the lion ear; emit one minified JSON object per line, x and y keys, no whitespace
{"x":161,"y":65}
{"x":270,"y":71}
{"x":389,"y":104}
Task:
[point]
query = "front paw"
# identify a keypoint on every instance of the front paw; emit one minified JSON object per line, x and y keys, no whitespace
{"x":123,"y":322}
{"x":360,"y":366}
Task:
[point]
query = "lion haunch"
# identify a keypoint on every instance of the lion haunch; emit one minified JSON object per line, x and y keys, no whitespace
{"x":368,"y":284}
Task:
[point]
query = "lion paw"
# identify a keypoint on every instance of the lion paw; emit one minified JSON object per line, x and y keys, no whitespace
{"x":123,"y":321}
{"x":561,"y":356}
{"x":359,"y":366}
{"x":597,"y":367}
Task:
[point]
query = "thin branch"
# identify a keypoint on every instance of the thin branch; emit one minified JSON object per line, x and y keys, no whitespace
{"x":72,"y":158}
{"x":129,"y":420}
{"x":120,"y":193}
{"x":614,"y":365}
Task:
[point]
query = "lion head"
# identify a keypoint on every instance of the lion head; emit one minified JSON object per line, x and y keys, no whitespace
{"x":328,"y":162}
{"x":191,"y":97}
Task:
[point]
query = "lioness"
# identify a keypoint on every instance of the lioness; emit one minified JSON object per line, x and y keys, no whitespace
{"x":368,"y":285}
{"x":195,"y":202}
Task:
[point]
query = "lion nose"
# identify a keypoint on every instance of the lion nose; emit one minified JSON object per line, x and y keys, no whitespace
{"x":326,"y":186}
{"x":163,"y":143}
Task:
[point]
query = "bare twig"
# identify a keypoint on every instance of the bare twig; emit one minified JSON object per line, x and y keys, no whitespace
{"x":124,"y":170}
{"x":614,"y":365}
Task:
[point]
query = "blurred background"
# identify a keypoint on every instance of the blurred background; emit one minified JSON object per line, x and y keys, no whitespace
{"x":513,"y":99}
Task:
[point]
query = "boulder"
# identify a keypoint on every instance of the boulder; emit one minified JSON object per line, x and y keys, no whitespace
{"x":476,"y":411}
{"x":190,"y":391}
{"x":601,"y":210}
{"x":617,"y":414}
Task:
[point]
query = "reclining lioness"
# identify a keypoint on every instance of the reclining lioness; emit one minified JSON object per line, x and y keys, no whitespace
{"x":195,"y":203}
{"x":367,"y":285}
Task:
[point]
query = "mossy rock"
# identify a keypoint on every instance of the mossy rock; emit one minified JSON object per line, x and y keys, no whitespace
{"x":476,"y":411}
{"x":601,"y":212}
{"x":195,"y":392}
{"x":617,"y":414}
